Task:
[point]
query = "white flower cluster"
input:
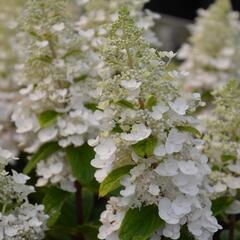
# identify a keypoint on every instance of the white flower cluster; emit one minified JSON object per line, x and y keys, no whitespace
{"x":19,"y":219}
{"x":213,"y":49}
{"x":150,"y":127}
{"x":56,"y":171}
{"x":222,"y":138}
{"x":56,"y":96}
{"x":52,"y":106}
{"x":111,"y":219}
{"x":59,"y":85}
{"x":9,"y":54}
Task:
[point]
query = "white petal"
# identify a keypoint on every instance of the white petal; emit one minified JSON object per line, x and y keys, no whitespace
{"x":166,"y":211}
{"x":159,"y":151}
{"x":106,"y":149}
{"x":167,"y":168}
{"x":58,"y":27}
{"x":130,"y":84}
{"x":5,"y":154}
{"x":175,"y":141}
{"x":47,"y":134}
{"x":182,"y":205}
{"x":19,"y":177}
{"x":158,"y":111}
{"x":188,"y":167}
{"x":128,"y":191}
{"x":179,"y":106}
{"x":139,"y":132}
{"x":154,"y":189}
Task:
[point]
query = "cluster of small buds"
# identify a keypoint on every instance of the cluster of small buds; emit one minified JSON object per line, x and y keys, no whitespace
{"x":19,"y":219}
{"x":151,"y":128}
{"x":222,"y":140}
{"x":211,"y":61}
{"x":96,"y":15}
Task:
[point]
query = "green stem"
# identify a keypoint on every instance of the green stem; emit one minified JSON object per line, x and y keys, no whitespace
{"x":4,"y":207}
{"x":130,"y":61}
{"x":51,"y":46}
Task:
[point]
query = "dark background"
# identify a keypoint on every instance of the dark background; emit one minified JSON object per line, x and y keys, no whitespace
{"x":183,"y":8}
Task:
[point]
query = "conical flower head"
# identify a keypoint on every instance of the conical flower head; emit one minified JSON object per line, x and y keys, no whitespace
{"x":97,"y":14}
{"x":208,"y":36}
{"x":209,"y":58}
{"x":10,"y":62}
{"x":134,"y":65}
{"x":55,"y":89}
{"x":149,"y":136}
{"x":223,"y":140}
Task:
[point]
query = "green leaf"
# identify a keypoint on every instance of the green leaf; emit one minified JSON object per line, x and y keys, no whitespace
{"x":224,"y":235}
{"x":117,"y":128}
{"x":72,"y":52}
{"x":90,"y":232}
{"x":140,"y":224}
{"x":87,"y":203}
{"x":43,"y":152}
{"x":112,"y":181}
{"x":145,"y":147}
{"x":221,"y":204}
{"x":34,"y":34}
{"x":189,"y":129}
{"x":125,"y":103}
{"x":53,"y":202}
{"x":68,"y":216}
{"x":80,"y":161}
{"x":185,"y":234}
{"x":91,"y":106}
{"x":57,"y":234}
{"x":43,"y":58}
{"x":80,"y":78}
{"x":226,"y":158}
{"x":47,"y":118}
{"x":151,"y":102}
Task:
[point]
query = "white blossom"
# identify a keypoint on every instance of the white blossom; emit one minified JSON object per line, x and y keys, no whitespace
{"x":175,"y":141}
{"x":211,"y":61}
{"x":169,"y":169}
{"x":139,"y":132}
{"x":158,"y":111}
{"x":19,"y":218}
{"x":179,"y":106}
{"x":130,"y":85}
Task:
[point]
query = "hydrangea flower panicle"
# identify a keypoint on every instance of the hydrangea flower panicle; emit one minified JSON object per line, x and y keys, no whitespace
{"x":146,"y":130}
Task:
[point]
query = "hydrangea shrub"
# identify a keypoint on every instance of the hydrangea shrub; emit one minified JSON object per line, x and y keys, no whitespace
{"x":102,"y":130}
{"x":148,"y":145}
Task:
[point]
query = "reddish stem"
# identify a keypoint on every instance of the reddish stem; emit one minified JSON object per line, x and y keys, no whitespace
{"x":79,"y":209}
{"x":232,"y":223}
